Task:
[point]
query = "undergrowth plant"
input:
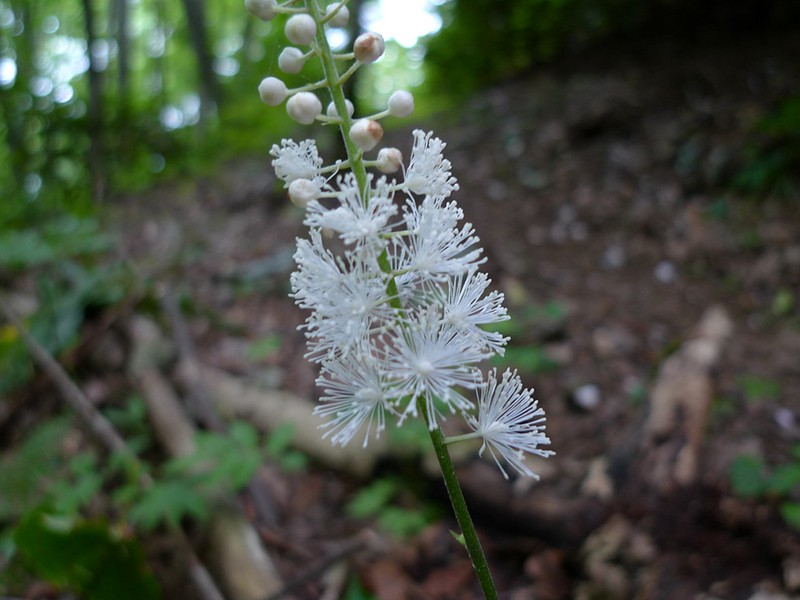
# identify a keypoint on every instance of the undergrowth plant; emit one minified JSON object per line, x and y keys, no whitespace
{"x":400,"y":314}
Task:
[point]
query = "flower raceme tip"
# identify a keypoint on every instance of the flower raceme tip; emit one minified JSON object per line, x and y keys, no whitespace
{"x":400,"y":314}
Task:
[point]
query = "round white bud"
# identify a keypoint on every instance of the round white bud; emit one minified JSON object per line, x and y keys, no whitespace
{"x":272,"y":91}
{"x":389,"y":160}
{"x":366,"y":134}
{"x":401,"y":104}
{"x":331,"y":110}
{"x":291,"y":60}
{"x":368,"y":47}
{"x":304,"y":107}
{"x":303,"y":191}
{"x":341,"y":17}
{"x":263,"y":9}
{"x":300,"y":29}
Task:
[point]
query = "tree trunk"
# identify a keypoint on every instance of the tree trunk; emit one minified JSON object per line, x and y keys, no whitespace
{"x":196,"y":19}
{"x":97,"y":170}
{"x":122,"y":30}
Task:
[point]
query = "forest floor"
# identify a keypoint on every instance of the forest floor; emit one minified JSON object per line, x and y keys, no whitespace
{"x":654,"y":311}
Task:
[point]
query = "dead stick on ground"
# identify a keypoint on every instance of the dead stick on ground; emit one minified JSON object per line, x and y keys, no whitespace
{"x":104,"y":431}
{"x":200,"y":402}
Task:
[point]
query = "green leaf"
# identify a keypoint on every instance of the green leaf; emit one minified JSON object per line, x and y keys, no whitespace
{"x":26,"y":474}
{"x":748,"y":477}
{"x":372,"y":499}
{"x":459,"y":537}
{"x":791,"y":514}
{"x":528,"y":359}
{"x":279,"y":439}
{"x":756,"y":388}
{"x":294,"y":461}
{"x":168,"y":502}
{"x":402,"y":522}
{"x":86,"y":557}
{"x":355,"y":591}
{"x":265,"y":348}
{"x":784,"y":479}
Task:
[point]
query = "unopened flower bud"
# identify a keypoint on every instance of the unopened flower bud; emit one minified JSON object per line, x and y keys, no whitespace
{"x":368,"y":47}
{"x":303,"y":191}
{"x":272,"y":91}
{"x":300,"y":29}
{"x":331,"y":111}
{"x":304,"y":107}
{"x":263,"y":9}
{"x":366,"y":133}
{"x":389,"y":160}
{"x":291,"y":60}
{"x":342,"y":15}
{"x":401,"y":104}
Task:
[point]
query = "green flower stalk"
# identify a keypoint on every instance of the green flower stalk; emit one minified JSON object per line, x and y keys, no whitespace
{"x":400,"y":318}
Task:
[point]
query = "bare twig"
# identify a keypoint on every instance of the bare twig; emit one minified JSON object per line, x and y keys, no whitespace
{"x":105,"y":433}
{"x":200,"y":403}
{"x":362,"y":541}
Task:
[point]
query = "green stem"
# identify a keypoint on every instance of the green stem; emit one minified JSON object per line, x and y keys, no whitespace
{"x":460,"y":509}
{"x":355,"y":156}
{"x":337,"y":96}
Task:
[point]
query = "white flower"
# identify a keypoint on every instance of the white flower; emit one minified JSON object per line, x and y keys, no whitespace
{"x":356,"y":393}
{"x":464,"y":305}
{"x":347,"y":297}
{"x":297,"y":161}
{"x":428,"y":171}
{"x":355,"y":222}
{"x":429,"y":359}
{"x":435,"y":247}
{"x":510,"y":422}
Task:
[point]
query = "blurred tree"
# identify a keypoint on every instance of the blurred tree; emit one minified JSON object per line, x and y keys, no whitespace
{"x":95,"y":127}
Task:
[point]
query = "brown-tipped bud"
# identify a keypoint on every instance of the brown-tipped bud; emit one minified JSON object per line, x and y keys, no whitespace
{"x":366,"y":134}
{"x":389,"y":160}
{"x":368,"y":47}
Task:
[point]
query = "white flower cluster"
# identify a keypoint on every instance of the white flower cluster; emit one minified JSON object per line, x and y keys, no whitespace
{"x":401,"y":314}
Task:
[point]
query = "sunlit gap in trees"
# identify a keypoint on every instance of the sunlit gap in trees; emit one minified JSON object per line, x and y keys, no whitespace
{"x":50,"y":74}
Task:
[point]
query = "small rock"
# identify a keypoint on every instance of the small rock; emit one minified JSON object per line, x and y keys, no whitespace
{"x":598,"y":483}
{"x":791,"y":573}
{"x":666,"y":272}
{"x":785,"y":419}
{"x":614,"y":257}
{"x":587,"y":397}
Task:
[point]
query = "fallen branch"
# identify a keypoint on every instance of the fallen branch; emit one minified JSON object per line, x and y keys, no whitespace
{"x":106,"y":434}
{"x":236,"y":555}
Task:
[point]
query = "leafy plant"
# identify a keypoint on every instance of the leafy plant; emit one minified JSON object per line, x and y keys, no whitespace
{"x":90,"y":558}
{"x":773,"y":157}
{"x":757,"y":388}
{"x":752,"y":479}
{"x":379,"y":500}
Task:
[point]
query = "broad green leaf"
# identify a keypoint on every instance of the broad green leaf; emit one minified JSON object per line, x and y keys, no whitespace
{"x":85,"y":557}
